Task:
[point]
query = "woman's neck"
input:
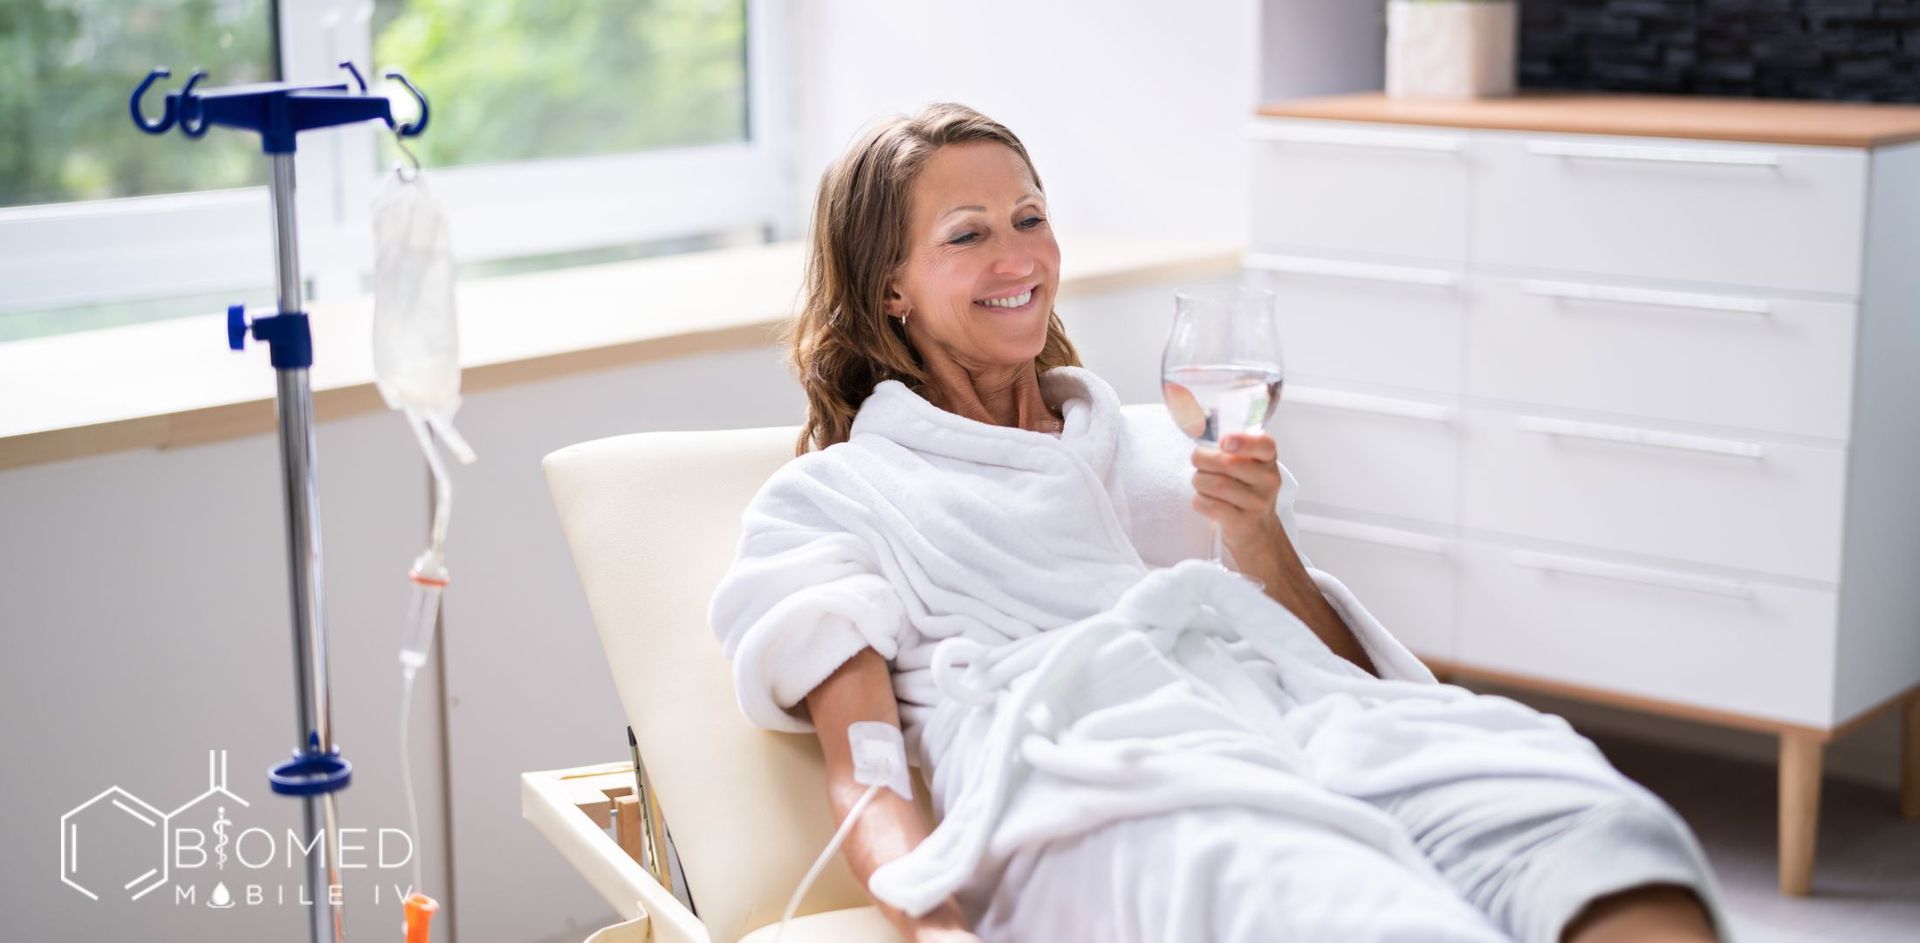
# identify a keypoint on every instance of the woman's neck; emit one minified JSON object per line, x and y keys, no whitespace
{"x":1001,"y":396}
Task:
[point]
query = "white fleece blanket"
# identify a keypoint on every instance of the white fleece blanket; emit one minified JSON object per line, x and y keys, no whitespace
{"x":1058,"y":666}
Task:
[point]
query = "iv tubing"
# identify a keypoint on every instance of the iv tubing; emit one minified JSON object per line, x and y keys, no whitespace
{"x":820,"y":863}
{"x":442,"y":486}
{"x":406,"y":775}
{"x":429,"y":573}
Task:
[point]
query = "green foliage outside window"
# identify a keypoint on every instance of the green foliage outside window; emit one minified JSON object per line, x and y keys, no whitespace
{"x":509,"y":80}
{"x":522,"y":79}
{"x":66,"y":69}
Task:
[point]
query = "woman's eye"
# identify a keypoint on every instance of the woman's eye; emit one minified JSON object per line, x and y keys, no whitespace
{"x":1032,"y":222}
{"x":964,"y":238}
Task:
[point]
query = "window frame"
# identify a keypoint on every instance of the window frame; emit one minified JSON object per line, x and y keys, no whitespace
{"x":102,"y":251}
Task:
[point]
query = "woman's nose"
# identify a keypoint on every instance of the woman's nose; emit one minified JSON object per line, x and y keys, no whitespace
{"x":1014,"y":261}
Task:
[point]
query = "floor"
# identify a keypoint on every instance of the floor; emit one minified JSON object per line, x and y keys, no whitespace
{"x":1866,"y":883}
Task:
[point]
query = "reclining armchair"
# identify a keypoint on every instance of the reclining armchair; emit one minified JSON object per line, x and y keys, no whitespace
{"x":652,"y":521}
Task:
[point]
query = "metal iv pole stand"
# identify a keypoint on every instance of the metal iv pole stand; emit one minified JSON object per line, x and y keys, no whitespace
{"x":278,"y":112}
{"x":293,"y":396}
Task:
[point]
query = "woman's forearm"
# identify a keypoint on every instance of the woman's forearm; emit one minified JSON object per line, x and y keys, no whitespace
{"x":1275,"y":564}
{"x":888,"y":829}
{"x":862,"y":689}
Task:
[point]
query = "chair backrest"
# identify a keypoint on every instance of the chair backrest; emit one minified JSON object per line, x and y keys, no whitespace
{"x":653,"y":520}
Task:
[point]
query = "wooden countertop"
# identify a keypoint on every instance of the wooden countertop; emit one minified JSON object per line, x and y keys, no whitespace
{"x":173,"y":383}
{"x":1762,"y":121}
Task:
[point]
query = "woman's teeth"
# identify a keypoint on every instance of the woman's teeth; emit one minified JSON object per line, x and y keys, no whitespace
{"x":1017,"y":301}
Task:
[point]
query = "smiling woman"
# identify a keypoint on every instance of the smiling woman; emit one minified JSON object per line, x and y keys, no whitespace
{"x":981,"y":273}
{"x":1123,"y":741}
{"x":928,"y":302}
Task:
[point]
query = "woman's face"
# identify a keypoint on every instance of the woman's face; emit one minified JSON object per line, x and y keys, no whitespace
{"x":981,"y":268}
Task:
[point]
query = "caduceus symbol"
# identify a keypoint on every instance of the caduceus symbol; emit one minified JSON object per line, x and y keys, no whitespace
{"x":220,"y":824}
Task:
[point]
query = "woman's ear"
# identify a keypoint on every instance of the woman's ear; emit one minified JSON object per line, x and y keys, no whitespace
{"x":895,"y":305}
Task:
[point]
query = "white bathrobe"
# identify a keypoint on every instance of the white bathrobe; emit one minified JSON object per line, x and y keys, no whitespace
{"x":1063,"y":663}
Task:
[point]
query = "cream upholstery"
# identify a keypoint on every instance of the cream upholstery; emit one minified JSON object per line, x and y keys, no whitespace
{"x":856,"y":925}
{"x":652,"y":521}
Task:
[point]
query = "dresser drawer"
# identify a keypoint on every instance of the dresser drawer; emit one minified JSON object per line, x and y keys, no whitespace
{"x":1359,"y":188}
{"x":1404,"y":578}
{"x":1748,"y":361}
{"x":1387,"y":455}
{"x":1694,"y":211}
{"x":1365,"y":322}
{"x":1762,"y":506}
{"x":1749,"y":647}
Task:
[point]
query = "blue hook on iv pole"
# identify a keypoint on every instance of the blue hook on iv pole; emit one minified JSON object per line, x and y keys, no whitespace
{"x":189,"y":109}
{"x":139,"y":118}
{"x":276,"y":111}
{"x":419,"y":124}
{"x":412,"y":129}
{"x":182,"y":106}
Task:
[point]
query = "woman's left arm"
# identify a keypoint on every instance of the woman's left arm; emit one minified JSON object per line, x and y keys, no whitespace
{"x":1236,"y":486}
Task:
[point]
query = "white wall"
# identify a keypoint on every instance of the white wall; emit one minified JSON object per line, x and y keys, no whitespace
{"x":1132,"y":109}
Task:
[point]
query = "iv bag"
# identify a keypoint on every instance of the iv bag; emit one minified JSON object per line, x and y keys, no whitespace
{"x":416,"y":343}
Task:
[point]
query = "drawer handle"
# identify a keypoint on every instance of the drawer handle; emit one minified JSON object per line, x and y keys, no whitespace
{"x":1360,"y":402}
{"x":1360,"y":271}
{"x":1646,"y":296}
{"x":1665,"y":155}
{"x":1385,"y":536}
{"x":1668,"y":440}
{"x":1341,"y":137}
{"x":1737,"y":589}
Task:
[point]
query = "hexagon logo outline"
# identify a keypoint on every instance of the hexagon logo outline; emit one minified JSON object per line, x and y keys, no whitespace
{"x":70,"y":840}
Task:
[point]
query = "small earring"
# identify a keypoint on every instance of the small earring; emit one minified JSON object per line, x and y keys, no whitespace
{"x":903,"y":318}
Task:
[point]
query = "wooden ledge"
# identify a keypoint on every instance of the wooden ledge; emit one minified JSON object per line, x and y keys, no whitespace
{"x":1754,"y":120}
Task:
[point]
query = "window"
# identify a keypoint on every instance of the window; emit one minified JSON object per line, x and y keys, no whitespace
{"x":559,"y":132}
{"x":573,"y":79}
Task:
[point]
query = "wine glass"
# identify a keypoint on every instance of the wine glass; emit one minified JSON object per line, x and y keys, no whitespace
{"x":1221,"y":371}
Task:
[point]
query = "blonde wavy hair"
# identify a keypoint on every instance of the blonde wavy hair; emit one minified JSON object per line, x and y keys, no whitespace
{"x":841,"y":344}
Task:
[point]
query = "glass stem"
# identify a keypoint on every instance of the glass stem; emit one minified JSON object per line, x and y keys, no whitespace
{"x":1219,"y":547}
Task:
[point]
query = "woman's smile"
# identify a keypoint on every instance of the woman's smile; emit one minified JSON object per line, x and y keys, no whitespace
{"x":1018,"y":301}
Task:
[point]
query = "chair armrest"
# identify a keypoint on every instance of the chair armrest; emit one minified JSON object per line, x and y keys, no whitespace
{"x":570,"y":807}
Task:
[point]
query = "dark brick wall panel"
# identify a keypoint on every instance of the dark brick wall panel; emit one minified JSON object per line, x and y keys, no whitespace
{"x":1844,"y":50}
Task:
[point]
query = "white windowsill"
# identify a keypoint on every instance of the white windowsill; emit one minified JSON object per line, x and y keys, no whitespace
{"x":174,"y":383}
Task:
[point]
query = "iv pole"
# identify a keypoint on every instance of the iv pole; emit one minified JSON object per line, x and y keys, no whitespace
{"x":293,"y":396}
{"x":278,"y":112}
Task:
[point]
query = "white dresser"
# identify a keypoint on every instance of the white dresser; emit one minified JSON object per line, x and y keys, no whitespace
{"x":1615,"y":397}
